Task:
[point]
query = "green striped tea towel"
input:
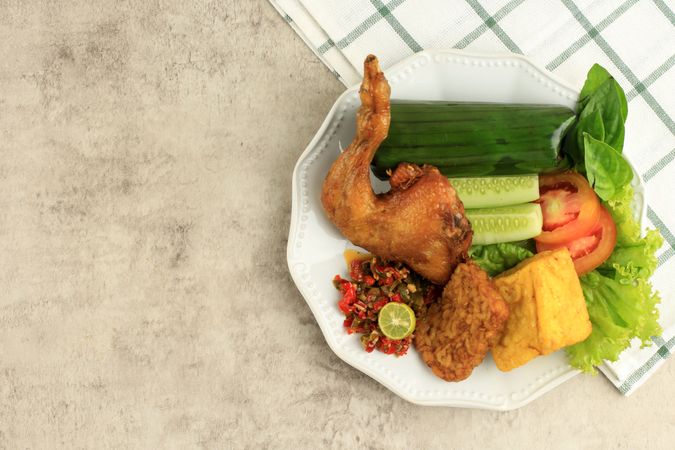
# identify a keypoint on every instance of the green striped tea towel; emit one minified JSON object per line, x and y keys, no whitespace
{"x":633,"y":39}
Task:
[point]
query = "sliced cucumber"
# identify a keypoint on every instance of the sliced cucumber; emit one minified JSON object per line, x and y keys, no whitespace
{"x":505,"y":224}
{"x":489,"y":192}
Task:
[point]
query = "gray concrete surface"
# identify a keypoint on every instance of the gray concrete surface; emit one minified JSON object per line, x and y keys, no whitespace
{"x":146,"y":150}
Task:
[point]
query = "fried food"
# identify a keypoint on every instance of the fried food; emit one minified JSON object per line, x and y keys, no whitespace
{"x":547,"y":309}
{"x":463,"y":325}
{"x":420,"y":221}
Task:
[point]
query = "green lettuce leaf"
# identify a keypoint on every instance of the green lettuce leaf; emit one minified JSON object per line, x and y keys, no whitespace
{"x":620,"y":300}
{"x":618,"y":313}
{"x":628,"y":229}
{"x":622,"y":305}
{"x":496,"y":258}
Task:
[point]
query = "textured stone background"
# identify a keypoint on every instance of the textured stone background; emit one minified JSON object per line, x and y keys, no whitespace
{"x":146,"y":150}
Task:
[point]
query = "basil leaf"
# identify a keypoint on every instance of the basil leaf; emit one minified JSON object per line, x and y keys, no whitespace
{"x":623,"y":103}
{"x":597,"y":75}
{"x":607,"y":171}
{"x":571,"y":148}
{"x":607,"y":102}
{"x":591,"y":123}
{"x":602,"y":113}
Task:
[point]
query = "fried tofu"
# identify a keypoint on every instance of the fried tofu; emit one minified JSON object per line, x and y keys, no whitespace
{"x":547,"y":309}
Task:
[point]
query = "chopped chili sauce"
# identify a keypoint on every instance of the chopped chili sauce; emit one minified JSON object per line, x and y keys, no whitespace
{"x":374,"y":283}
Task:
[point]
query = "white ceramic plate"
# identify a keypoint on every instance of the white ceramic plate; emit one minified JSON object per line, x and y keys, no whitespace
{"x":315,"y":247}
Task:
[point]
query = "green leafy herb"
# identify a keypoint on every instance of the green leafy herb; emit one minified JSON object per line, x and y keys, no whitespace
{"x":607,"y":171}
{"x":497,"y":258}
{"x":600,"y":124}
{"x":597,"y":75}
{"x":606,"y":102}
{"x":621,"y":302}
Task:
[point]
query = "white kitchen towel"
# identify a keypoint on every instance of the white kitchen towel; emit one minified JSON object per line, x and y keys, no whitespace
{"x":633,"y":39}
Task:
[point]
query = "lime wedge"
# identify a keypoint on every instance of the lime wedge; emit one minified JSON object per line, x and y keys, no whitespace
{"x":396,"y":320}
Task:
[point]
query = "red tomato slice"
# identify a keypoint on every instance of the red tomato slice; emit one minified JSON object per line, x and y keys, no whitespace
{"x":589,"y":251}
{"x":569,"y":207}
{"x":584,"y":245}
{"x":562,"y":207}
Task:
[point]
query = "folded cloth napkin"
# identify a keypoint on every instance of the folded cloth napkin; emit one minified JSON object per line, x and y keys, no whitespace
{"x":634,"y":40}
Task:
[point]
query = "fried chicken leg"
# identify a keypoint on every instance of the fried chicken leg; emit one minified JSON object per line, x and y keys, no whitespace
{"x":420,"y":221}
{"x":463,"y":325}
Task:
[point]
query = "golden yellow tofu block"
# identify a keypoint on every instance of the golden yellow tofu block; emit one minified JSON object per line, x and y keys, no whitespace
{"x":547,"y":310}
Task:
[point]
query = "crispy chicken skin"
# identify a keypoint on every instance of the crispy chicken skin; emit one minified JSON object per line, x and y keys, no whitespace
{"x":420,"y":221}
{"x":465,"y":323}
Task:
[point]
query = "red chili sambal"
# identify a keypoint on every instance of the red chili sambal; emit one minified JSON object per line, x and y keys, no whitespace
{"x":374,"y":283}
